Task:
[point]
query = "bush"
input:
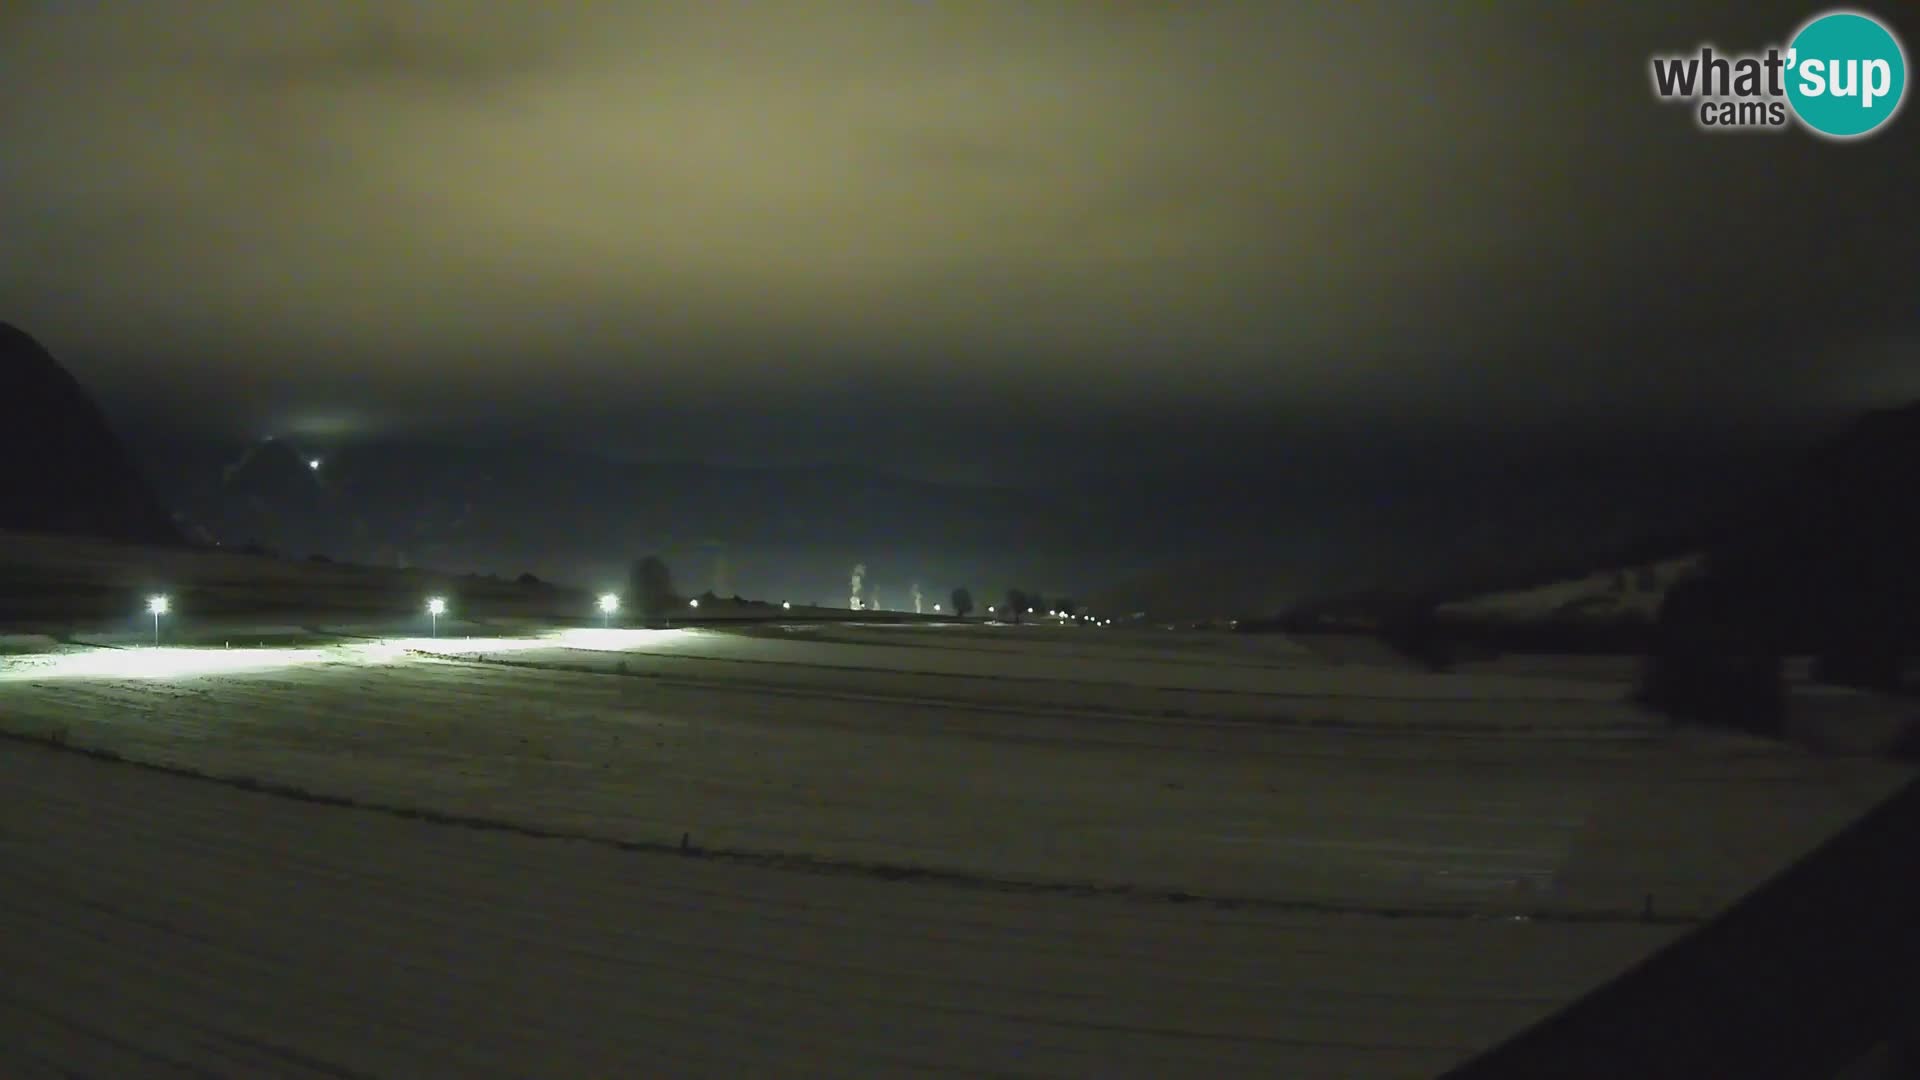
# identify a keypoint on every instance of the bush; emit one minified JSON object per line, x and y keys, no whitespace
{"x":528,"y":579}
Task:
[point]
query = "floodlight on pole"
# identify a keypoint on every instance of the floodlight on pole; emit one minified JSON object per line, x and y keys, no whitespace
{"x":156,"y":606}
{"x":609,"y":603}
{"x":436,"y":607}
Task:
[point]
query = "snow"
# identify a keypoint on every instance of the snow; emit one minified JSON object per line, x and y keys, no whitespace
{"x":1596,"y":595}
{"x":1046,"y":795}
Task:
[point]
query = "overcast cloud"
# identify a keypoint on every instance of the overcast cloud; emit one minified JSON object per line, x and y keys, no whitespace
{"x":342,"y":214}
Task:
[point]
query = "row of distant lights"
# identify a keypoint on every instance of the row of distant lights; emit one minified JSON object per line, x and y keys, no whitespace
{"x":1090,"y":620}
{"x":437,"y":605}
{"x":609,"y":603}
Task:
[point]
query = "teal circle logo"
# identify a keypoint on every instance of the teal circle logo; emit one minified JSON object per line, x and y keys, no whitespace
{"x":1846,"y":75}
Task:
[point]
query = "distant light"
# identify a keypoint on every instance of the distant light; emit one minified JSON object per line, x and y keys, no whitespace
{"x":787,"y":605}
{"x":695,"y":602}
{"x":157,"y":605}
{"x":989,"y":609}
{"x":1029,"y":611}
{"x":436,"y":607}
{"x":609,"y":603}
{"x":314,"y":464}
{"x":936,"y":607}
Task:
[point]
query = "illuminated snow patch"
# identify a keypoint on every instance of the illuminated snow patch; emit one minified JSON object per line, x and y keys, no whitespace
{"x":155,"y":663}
{"x":599,"y":640}
{"x":166,"y":663}
{"x":393,"y":648}
{"x":616,"y":640}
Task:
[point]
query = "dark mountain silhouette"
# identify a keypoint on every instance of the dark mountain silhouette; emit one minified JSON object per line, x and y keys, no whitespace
{"x":1813,"y":554}
{"x":66,"y":472}
{"x":1451,"y":529}
{"x":788,"y":533}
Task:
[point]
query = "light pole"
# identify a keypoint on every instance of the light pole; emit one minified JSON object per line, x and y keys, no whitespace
{"x":156,"y":606}
{"x":609,"y":603}
{"x":436,"y":607}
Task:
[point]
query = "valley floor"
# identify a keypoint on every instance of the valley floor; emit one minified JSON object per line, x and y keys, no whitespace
{"x":1040,"y":851}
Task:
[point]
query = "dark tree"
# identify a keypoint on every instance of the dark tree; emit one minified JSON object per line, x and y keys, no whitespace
{"x":528,"y":578}
{"x":651,"y":587}
{"x":962,"y":602}
{"x":1717,"y":656}
{"x":1017,"y":602}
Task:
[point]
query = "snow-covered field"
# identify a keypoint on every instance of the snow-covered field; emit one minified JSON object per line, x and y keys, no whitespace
{"x":1057,"y":851}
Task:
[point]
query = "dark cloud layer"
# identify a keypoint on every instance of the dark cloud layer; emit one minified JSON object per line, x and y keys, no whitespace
{"x":849,"y":224}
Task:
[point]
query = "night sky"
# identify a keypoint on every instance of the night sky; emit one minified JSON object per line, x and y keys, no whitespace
{"x":970,"y":238}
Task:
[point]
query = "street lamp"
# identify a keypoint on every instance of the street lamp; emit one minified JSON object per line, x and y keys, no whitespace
{"x":156,"y":606}
{"x":436,"y":607}
{"x":694,"y":603}
{"x":609,"y":603}
{"x":786,"y":605}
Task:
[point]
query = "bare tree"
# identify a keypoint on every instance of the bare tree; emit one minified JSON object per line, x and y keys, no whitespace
{"x":651,"y":587}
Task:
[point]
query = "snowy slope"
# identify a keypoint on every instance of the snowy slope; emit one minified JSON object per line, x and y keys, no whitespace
{"x":1622,"y":592}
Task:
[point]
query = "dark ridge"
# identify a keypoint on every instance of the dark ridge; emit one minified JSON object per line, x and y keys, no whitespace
{"x":67,"y":472}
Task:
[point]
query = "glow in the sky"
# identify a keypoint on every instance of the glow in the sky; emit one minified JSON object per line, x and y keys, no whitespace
{"x":1331,"y":210}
